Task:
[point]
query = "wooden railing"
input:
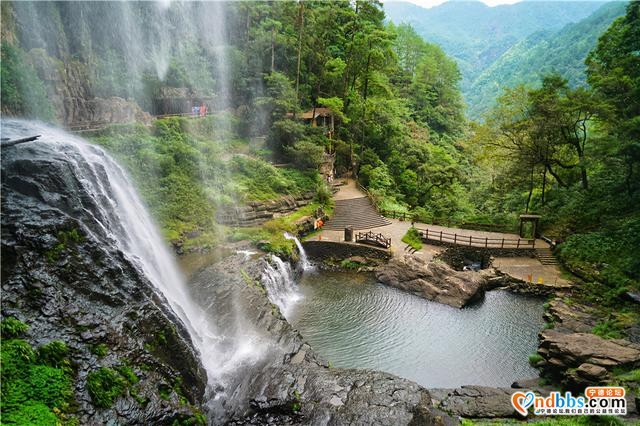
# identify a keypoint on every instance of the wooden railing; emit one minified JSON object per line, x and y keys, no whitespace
{"x":471,"y":241}
{"x":396,"y":214}
{"x":373,"y":239}
{"x":369,"y":195}
{"x":88,"y":125}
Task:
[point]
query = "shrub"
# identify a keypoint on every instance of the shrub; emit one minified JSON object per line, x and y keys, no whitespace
{"x":104,"y":386}
{"x":305,"y":154}
{"x":12,"y":327}
{"x":53,"y":354}
{"x":535,"y":358}
{"x":100,"y":350}
{"x":413,"y":238}
{"x":32,"y":392}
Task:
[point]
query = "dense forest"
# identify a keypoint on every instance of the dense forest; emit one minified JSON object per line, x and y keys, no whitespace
{"x":570,"y":154}
{"x":508,"y":45}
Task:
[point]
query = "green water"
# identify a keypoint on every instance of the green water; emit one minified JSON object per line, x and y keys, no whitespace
{"x":353,"y":321}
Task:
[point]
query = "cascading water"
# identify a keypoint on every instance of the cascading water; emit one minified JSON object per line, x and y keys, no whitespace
{"x":304,"y":260}
{"x":280,"y":284}
{"x":279,"y":281}
{"x":122,"y":217}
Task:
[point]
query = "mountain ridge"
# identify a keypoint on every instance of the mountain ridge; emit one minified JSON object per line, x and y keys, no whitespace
{"x":477,"y":35}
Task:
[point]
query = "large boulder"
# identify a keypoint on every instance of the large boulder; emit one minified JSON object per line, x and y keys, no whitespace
{"x":573,"y":349}
{"x":435,"y":281}
{"x":475,"y":402}
{"x":575,"y":318}
{"x":583,"y":359}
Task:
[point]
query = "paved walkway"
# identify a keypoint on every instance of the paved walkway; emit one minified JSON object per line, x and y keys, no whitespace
{"x":518,"y":267}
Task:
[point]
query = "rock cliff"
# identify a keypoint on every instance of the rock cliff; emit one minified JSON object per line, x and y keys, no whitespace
{"x":64,"y":276}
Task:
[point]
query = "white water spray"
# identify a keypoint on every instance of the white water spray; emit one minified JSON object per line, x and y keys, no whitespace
{"x":304,"y":260}
{"x":281,"y":287}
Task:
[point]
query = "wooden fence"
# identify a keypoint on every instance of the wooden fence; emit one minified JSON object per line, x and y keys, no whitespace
{"x":472,"y":241}
{"x":373,"y":239}
{"x":396,"y":214}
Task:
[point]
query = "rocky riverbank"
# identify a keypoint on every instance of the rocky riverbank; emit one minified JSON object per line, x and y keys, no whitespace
{"x":289,"y":384}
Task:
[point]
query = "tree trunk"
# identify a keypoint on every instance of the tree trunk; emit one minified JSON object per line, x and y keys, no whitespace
{"x":300,"y":35}
{"x":544,"y":185}
{"x":273,"y":49}
{"x":526,"y":210}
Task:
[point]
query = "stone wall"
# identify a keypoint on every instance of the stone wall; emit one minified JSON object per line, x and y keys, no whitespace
{"x":337,"y":251}
{"x":458,"y":256}
{"x":258,"y":212}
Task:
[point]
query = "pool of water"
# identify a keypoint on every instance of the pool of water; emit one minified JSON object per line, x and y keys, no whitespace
{"x":355,"y":322}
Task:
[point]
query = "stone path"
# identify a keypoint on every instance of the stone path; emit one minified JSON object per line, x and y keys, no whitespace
{"x":517,"y":267}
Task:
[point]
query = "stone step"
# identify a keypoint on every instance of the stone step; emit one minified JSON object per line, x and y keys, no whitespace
{"x":546,"y":257}
{"x":358,"y":213}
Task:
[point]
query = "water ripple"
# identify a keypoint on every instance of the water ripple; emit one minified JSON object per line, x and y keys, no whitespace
{"x":357,"y":323}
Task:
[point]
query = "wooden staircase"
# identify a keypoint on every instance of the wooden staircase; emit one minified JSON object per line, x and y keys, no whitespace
{"x":546,"y":257}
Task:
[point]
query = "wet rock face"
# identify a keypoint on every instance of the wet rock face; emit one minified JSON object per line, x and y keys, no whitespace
{"x":290,"y":385}
{"x":63,"y":275}
{"x":433,"y":280}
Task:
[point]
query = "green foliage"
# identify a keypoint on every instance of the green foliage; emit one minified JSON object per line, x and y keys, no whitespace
{"x":54,"y":354}
{"x":23,"y":92}
{"x":12,"y":327}
{"x":627,"y":376}
{"x":100,"y":350}
{"x":535,"y":358}
{"x":127,"y":372}
{"x":607,"y":329}
{"x":350,"y":264}
{"x":413,"y":238}
{"x":305,"y":154}
{"x":542,"y":52}
{"x":557,"y":421}
{"x":270,"y":236}
{"x":65,"y":240}
{"x":104,"y":386}
{"x":505,"y":46}
{"x":34,"y":389}
{"x":185,"y":175}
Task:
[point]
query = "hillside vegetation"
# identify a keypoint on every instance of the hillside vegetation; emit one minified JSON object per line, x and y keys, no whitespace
{"x":562,"y":52}
{"x":510,"y":44}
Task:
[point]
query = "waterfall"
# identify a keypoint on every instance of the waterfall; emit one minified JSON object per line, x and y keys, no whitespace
{"x":304,"y":261}
{"x":281,"y":287}
{"x":120,"y":216}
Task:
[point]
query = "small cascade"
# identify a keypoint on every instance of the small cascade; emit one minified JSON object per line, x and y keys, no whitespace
{"x":304,"y":261}
{"x":281,"y":287}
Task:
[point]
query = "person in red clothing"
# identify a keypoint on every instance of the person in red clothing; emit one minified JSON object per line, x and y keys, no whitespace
{"x":203,"y":110}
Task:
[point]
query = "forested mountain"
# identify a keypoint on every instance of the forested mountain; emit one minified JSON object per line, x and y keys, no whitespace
{"x":543,"y":52}
{"x":477,"y":35}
